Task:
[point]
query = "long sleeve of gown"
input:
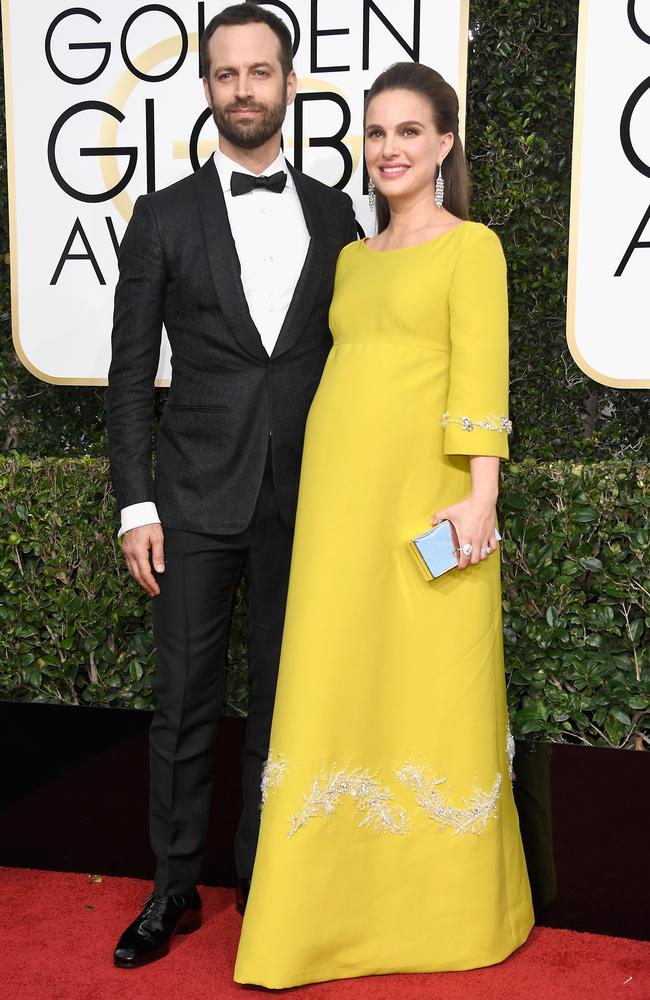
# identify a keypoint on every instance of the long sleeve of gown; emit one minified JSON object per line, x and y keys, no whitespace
{"x":476,"y":418}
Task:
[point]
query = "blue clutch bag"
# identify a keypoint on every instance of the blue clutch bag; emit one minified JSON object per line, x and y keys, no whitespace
{"x":435,"y":552}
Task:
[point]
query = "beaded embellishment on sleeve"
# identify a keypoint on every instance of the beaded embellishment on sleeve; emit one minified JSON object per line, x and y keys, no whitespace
{"x":499,"y":424}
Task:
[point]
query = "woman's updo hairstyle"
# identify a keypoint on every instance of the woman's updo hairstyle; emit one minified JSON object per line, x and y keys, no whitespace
{"x":426,"y":82}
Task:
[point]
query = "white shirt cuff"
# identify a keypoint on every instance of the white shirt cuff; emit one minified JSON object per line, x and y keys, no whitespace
{"x":138,"y":514}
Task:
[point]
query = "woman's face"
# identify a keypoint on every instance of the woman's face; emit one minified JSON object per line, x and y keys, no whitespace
{"x":402,"y":145}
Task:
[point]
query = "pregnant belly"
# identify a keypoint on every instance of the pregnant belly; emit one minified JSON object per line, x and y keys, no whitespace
{"x":374,"y":443}
{"x":370,"y":390}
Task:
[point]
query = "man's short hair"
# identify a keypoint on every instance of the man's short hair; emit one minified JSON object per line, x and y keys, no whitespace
{"x":249,"y":13}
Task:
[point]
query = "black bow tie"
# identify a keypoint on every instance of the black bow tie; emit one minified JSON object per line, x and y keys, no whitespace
{"x":243,"y":183}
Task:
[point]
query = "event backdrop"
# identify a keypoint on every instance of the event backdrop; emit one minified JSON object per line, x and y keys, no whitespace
{"x":608,"y":319}
{"x":105,"y":102}
{"x":574,"y":498}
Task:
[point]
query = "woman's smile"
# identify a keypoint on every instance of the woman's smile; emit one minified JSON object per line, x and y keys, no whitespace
{"x":392,"y":170}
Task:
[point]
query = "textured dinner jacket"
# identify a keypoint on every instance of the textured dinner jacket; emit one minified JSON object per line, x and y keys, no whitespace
{"x":178,"y":265}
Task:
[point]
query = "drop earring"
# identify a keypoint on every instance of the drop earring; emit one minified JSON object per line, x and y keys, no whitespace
{"x":440,"y":187}
{"x":372,"y":198}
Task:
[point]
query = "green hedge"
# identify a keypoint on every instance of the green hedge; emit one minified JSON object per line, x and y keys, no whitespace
{"x":576,"y":601}
{"x":75,"y":628}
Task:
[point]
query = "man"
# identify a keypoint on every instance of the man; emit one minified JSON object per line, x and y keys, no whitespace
{"x":238,"y":262}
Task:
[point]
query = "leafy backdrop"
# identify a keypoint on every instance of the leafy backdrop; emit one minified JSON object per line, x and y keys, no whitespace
{"x":74,"y":628}
{"x":575,"y":583}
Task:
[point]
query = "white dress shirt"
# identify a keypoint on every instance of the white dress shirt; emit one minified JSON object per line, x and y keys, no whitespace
{"x":272,"y":240}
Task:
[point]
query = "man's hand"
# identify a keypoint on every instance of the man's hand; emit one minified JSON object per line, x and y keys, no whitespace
{"x":137,"y":544}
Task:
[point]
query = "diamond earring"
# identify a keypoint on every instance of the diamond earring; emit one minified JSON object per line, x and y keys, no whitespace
{"x":372,"y":198}
{"x":440,"y":187}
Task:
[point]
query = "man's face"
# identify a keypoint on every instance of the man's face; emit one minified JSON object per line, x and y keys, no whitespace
{"x":245,"y":86}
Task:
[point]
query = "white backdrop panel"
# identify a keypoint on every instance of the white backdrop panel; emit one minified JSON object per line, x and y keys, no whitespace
{"x":608,"y":319}
{"x":62,"y":306}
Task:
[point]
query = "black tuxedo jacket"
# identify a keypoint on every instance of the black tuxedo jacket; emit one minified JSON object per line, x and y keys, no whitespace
{"x":179,"y":266}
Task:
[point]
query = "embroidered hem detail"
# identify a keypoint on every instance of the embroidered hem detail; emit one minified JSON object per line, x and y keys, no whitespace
{"x":373,"y":801}
{"x":471,"y":817}
{"x":510,"y":751}
{"x":272,"y":774}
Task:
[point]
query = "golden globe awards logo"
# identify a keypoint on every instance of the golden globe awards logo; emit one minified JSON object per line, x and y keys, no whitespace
{"x":105,"y":103}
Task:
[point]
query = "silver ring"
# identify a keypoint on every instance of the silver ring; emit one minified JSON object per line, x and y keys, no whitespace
{"x":467,"y":549}
{"x":486,"y":548}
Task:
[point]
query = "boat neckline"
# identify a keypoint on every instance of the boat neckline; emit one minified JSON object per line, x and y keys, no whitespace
{"x":416,"y":246}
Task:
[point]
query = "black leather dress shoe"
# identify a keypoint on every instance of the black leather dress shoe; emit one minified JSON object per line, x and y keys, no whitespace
{"x":148,"y":937}
{"x":241,"y":895}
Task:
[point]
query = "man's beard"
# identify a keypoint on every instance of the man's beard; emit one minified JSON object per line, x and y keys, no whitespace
{"x":255,"y":132}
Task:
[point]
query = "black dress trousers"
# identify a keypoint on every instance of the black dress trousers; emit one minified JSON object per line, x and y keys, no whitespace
{"x":191,"y":618}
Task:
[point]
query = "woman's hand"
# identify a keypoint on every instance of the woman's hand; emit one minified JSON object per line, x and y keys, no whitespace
{"x":474,"y":520}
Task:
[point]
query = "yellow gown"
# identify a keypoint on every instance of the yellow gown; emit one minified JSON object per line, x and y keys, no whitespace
{"x":389,"y":839}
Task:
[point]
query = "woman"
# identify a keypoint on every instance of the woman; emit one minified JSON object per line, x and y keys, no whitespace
{"x":390,"y":840}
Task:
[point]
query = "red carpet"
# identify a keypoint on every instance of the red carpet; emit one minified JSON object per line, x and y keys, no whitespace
{"x":57,"y":933}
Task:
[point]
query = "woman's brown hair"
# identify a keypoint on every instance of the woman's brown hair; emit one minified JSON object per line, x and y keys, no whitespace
{"x":442,"y":97}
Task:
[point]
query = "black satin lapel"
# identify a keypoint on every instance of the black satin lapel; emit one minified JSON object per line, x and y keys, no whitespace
{"x":224,"y":262}
{"x":307,"y":287}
